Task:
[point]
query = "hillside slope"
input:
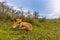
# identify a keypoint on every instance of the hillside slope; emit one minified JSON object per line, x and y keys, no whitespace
{"x":49,"y":30}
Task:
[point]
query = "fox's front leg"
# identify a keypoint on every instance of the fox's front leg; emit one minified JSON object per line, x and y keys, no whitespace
{"x":22,"y":28}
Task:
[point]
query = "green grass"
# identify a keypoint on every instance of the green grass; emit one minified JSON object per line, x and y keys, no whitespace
{"x":49,"y":30}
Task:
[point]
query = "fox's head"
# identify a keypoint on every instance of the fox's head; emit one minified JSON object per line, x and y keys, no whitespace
{"x":18,"y":20}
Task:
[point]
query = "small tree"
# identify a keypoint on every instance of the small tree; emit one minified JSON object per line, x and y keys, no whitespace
{"x":36,"y":15}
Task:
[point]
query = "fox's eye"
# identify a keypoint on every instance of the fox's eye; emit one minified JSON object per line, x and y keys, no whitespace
{"x":19,"y":22}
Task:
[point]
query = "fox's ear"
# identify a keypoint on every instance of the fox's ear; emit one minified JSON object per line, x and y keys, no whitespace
{"x":15,"y":20}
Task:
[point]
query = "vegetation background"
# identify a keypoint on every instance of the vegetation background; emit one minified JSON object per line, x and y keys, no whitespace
{"x":43,"y":29}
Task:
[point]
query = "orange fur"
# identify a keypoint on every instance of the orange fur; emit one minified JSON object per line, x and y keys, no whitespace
{"x":25,"y":25}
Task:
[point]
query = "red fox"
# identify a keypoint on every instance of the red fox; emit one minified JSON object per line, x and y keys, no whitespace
{"x":18,"y":24}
